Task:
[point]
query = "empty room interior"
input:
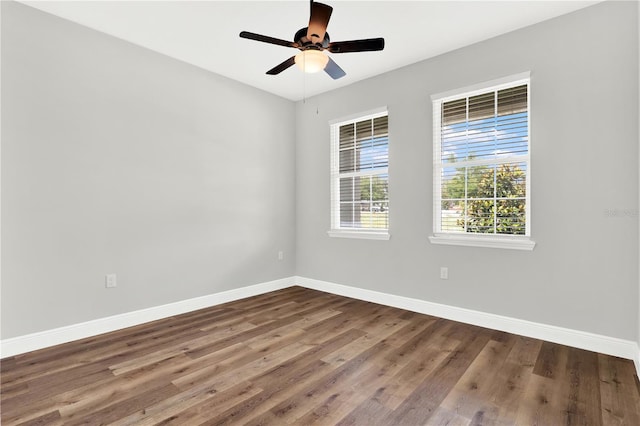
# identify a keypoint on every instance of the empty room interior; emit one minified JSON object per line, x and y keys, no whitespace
{"x":438,"y":224}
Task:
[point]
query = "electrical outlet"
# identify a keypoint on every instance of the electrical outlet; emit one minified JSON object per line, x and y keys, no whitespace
{"x":110,"y":281}
{"x":444,"y":273}
{"x":280,"y":255}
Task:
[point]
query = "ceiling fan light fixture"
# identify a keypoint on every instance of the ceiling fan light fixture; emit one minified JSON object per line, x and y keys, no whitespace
{"x":311,"y":60}
{"x":312,"y":41}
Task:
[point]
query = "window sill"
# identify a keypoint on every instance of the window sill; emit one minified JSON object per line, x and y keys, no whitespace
{"x":502,"y":242}
{"x":366,"y":235}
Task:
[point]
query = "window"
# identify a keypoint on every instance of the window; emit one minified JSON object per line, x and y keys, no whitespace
{"x":360,"y":177}
{"x":481,"y":165}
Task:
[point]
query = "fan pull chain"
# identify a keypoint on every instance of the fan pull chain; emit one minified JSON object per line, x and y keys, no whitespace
{"x":304,"y":78}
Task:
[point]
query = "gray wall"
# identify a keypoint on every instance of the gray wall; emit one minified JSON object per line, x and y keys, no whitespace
{"x":583,"y":273}
{"x":118,"y":159}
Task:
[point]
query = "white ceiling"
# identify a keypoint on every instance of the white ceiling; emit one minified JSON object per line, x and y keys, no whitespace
{"x":205,"y":33}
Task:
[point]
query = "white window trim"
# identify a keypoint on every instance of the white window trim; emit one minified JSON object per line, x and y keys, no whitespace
{"x":364,"y":234}
{"x":336,"y":231}
{"x":515,"y":242}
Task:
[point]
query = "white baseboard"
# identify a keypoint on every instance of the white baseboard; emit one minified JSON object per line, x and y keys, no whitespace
{"x":579,"y":339}
{"x":593,"y":342}
{"x":43,"y":339}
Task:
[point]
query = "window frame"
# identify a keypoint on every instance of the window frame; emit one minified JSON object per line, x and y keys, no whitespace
{"x":336,"y":230}
{"x":505,"y":241}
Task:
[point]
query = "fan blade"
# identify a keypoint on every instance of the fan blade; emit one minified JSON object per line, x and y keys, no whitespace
{"x":334,"y":70}
{"x":267,"y":39}
{"x":366,"y":45}
{"x":283,"y":66}
{"x":318,"y":21}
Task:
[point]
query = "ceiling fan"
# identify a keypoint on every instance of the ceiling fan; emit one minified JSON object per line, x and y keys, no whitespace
{"x":312,"y":41}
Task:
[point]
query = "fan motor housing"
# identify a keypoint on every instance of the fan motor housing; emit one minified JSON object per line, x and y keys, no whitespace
{"x":304,"y":42}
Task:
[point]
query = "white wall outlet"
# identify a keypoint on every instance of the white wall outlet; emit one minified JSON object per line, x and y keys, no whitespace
{"x":110,"y":281}
{"x":444,"y":273}
{"x":280,"y":255}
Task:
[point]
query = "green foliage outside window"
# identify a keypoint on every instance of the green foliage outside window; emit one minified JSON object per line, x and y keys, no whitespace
{"x":503,"y":207}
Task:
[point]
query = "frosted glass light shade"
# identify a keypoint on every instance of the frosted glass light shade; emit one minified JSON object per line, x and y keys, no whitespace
{"x":311,"y":61}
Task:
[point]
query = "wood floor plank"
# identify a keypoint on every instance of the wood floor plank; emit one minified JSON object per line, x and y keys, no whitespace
{"x":287,"y":335}
{"x":618,"y":392}
{"x":540,"y":403}
{"x":289,"y":370}
{"x":68,"y":381}
{"x":49,"y":419}
{"x":116,"y":351}
{"x":244,"y":371}
{"x":353,"y":313}
{"x":552,"y":360}
{"x":308,"y":316}
{"x":472,"y":394}
{"x":444,"y":416}
{"x":417,"y":359}
{"x":256,"y":410}
{"x":418,"y":407}
{"x":380,"y":369}
{"x":201,"y":413}
{"x":369,"y":412}
{"x":583,"y":406}
{"x":364,"y":385}
{"x":7,"y":365}
{"x":277,"y":312}
{"x":329,"y":347}
{"x":14,"y":390}
{"x":191,"y":406}
{"x":296,"y":406}
{"x":123,"y":407}
{"x":149,"y":333}
{"x":513,"y":378}
{"x":359,"y":345}
{"x":299,"y":356}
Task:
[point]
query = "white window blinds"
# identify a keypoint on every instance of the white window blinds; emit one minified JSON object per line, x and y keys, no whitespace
{"x":481,"y":161}
{"x":359,"y":174}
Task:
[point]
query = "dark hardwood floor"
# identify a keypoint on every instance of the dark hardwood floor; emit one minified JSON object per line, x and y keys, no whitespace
{"x":299,"y":356}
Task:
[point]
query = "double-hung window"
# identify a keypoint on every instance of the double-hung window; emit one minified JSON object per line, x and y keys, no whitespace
{"x":481,"y":165}
{"x":360,"y":176}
